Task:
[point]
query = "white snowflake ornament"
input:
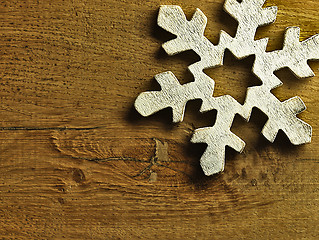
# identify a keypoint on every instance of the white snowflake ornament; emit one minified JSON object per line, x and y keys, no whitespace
{"x":190,"y":36}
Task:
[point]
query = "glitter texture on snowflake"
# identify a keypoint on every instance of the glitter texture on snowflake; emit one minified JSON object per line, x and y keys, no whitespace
{"x":250,"y":14}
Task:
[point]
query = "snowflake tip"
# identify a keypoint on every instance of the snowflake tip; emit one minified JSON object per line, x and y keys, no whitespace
{"x":295,"y":105}
{"x":300,"y":52}
{"x":213,"y":159}
{"x":299,"y":133}
{"x":148,"y":103}
{"x":296,"y":130}
{"x":251,"y":11}
{"x":172,"y":19}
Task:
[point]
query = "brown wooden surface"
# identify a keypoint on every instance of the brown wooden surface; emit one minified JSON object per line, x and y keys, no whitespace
{"x":78,"y":162}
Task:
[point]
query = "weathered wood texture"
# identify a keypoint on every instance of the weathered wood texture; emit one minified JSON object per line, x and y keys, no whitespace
{"x":73,"y":149}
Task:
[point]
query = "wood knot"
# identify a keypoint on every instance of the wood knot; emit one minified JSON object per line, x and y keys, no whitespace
{"x":78,"y":175}
{"x":61,"y":201}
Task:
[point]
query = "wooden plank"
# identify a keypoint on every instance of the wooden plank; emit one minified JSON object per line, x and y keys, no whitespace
{"x":78,"y":162}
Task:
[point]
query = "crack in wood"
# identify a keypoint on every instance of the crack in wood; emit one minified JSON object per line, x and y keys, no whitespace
{"x":160,"y":159}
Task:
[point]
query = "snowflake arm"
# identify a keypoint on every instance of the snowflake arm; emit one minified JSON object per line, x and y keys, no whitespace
{"x":250,"y":15}
{"x":189,"y":36}
{"x":173,"y":95}
{"x":219,"y":136}
{"x":282,"y":115}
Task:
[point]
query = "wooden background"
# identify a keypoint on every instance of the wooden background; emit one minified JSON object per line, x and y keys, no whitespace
{"x":78,"y":162}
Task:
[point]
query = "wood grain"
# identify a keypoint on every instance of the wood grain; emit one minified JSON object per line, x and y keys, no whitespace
{"x":78,"y":162}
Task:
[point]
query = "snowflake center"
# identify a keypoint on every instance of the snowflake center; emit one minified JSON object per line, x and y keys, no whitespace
{"x":233,"y":77}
